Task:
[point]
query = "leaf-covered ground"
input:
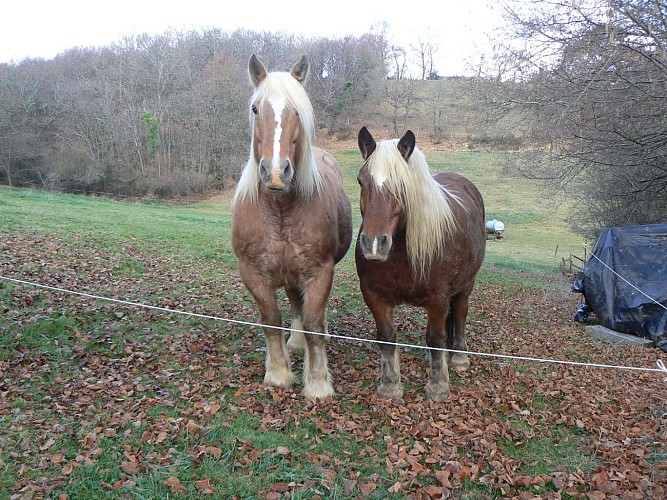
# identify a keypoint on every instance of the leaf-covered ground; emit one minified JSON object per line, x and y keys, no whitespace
{"x":99,"y":399}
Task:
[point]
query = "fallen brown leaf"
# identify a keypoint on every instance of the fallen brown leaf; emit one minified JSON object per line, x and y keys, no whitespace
{"x":175,"y":484}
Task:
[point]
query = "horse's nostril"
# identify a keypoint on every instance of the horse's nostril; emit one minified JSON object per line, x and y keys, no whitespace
{"x":287,"y":169}
{"x":264,"y":167}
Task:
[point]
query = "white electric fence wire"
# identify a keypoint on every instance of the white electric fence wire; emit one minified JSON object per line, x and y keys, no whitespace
{"x":661,"y":365}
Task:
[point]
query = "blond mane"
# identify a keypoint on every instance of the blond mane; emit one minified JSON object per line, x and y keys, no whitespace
{"x":282,"y":85}
{"x":429,"y":217}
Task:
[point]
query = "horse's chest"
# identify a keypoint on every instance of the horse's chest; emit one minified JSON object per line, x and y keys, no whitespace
{"x":287,"y":254}
{"x":394,"y":282}
{"x":283,"y":245}
{"x":288,"y":251}
{"x":400,"y":288}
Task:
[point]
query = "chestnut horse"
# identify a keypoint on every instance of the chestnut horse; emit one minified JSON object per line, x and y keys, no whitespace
{"x":291,"y":223}
{"x":421,"y":242}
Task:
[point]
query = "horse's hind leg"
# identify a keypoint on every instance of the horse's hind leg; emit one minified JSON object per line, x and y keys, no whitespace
{"x":459,"y":361}
{"x":437,"y":387}
{"x":297,"y":340}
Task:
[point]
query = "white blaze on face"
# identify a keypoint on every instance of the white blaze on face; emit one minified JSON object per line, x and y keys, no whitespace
{"x":278,"y":106}
{"x":375,"y":245}
{"x":379,"y":179}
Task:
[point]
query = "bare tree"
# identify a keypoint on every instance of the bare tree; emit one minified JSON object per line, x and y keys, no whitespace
{"x":344,"y":75}
{"x":594,"y":96}
{"x":212,"y":121}
{"x":16,"y":135}
{"x":402,"y":97}
{"x":424,"y":51}
{"x":165,"y":114}
{"x":30,"y":108}
{"x":399,"y":62}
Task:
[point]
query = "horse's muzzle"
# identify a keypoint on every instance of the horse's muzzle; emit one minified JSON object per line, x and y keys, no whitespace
{"x":276,"y":178}
{"x":375,"y":247}
{"x":276,"y":188}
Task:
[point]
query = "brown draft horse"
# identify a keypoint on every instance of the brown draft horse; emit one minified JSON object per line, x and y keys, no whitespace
{"x":421,"y":242}
{"x":291,"y":223}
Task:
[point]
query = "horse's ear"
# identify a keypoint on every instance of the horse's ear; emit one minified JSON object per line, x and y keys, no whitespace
{"x":407,"y":144}
{"x":257,"y":70}
{"x":366,"y":143}
{"x":300,"y":70}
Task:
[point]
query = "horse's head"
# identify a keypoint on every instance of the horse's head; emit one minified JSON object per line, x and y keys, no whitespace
{"x":282,"y":119}
{"x":382,"y":201}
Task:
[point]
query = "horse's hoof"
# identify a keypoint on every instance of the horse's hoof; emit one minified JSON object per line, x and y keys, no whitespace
{"x":391,"y":391}
{"x":459,"y":363}
{"x":318,"y":390}
{"x":437,"y":393}
{"x":281,"y":379}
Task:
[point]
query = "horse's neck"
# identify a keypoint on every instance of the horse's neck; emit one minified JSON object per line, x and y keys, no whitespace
{"x":400,"y":239}
{"x":285,"y":204}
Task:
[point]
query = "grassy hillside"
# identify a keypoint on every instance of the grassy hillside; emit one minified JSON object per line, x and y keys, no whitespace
{"x":536,"y":236}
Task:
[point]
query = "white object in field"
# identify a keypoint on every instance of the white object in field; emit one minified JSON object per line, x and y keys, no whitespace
{"x":495,"y":227}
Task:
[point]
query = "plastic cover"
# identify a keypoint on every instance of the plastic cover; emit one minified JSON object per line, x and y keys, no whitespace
{"x":624,"y":278}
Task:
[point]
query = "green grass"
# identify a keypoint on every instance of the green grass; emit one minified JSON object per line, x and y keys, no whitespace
{"x":222,"y":462}
{"x":560,"y":450}
{"x":198,"y":229}
{"x":536,"y":236}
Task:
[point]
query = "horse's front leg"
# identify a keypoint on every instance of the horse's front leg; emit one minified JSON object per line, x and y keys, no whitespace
{"x":437,"y":387}
{"x":390,"y":386}
{"x":277,"y":364}
{"x":316,"y":377}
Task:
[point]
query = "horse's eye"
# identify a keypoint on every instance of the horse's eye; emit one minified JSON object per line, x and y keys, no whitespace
{"x":359,"y":182}
{"x":254,"y":109}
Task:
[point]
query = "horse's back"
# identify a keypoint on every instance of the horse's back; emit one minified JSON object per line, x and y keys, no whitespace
{"x":469,"y":194}
{"x":469,"y":235}
{"x":327,"y":164}
{"x":336,"y":198}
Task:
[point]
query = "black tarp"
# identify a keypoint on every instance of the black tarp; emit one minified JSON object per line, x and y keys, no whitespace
{"x":624,"y":281}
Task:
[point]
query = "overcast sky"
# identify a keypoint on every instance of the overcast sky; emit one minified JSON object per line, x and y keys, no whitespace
{"x":45,"y":28}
